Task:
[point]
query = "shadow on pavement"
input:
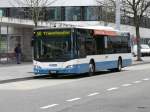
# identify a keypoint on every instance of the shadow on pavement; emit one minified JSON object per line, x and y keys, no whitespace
{"x":48,"y":77}
{"x":74,"y":76}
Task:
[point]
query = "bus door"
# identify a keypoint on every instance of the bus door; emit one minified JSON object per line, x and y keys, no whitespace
{"x":80,"y":44}
{"x":102,"y":52}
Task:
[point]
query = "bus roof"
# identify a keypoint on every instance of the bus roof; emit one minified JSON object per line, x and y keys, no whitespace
{"x":101,"y":30}
{"x":97,"y":30}
{"x":105,"y":30}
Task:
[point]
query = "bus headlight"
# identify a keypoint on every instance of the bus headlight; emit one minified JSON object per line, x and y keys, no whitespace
{"x":37,"y":67}
{"x":70,"y":66}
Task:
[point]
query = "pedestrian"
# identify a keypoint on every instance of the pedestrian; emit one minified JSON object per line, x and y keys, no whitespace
{"x":18,"y":52}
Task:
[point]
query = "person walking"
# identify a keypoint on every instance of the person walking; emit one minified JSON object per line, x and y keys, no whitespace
{"x":18,"y":53}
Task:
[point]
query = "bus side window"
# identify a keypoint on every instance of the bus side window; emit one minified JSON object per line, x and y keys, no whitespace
{"x":129,"y":43}
{"x":109,"y":49}
{"x":100,"y":44}
{"x":90,"y":47}
{"x":81,"y":45}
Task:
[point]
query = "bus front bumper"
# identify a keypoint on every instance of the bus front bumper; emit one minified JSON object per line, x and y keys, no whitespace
{"x":70,"y":70}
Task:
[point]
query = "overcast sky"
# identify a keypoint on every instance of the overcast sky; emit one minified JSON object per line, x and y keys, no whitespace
{"x":12,"y":3}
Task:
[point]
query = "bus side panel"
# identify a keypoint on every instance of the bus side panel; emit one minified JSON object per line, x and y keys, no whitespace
{"x":110,"y":61}
{"x":104,"y":62}
{"x":127,"y":60}
{"x":83,"y":65}
{"x":106,"y":65}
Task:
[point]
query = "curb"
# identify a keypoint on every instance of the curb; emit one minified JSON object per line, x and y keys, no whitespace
{"x":21,"y":79}
{"x":16,"y":80}
{"x":140,"y":63}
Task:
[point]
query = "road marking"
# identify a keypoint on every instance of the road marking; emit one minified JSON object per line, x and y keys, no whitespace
{"x":74,"y":99}
{"x":93,"y":94}
{"x":49,"y":106}
{"x":110,"y":89}
{"x":137,"y":82}
{"x":125,"y":85}
{"x":146,"y":79}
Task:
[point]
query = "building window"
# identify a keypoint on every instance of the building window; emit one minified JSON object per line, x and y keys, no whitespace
{"x":91,"y":13}
{"x":16,"y":12}
{"x":53,"y":14}
{"x":3,"y":44}
{"x":1,"y":13}
{"x":107,"y":14}
{"x":72,"y":13}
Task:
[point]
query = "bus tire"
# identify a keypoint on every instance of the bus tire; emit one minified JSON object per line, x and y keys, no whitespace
{"x":119,"y":66}
{"x":91,"y":69}
{"x":55,"y":76}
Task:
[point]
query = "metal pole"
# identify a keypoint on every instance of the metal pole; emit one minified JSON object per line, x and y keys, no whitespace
{"x":106,"y":15}
{"x":0,"y":43}
{"x":117,"y":14}
{"x":7,"y":42}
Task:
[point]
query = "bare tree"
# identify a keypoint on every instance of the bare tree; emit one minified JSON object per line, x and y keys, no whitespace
{"x":107,"y":13}
{"x":35,"y":8}
{"x":137,"y":9}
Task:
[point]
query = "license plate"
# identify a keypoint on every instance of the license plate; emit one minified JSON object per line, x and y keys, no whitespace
{"x":52,"y":71}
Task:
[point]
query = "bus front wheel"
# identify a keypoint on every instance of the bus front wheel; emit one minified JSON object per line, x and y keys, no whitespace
{"x":91,"y":69}
{"x":119,"y":67}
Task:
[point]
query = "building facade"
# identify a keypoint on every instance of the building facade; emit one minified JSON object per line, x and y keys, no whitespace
{"x":74,"y":12}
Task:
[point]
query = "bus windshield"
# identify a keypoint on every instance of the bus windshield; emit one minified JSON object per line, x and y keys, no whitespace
{"x":53,"y":48}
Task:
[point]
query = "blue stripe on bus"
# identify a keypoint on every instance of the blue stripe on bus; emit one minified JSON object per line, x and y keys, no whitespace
{"x":126,"y":62}
{"x":83,"y":68}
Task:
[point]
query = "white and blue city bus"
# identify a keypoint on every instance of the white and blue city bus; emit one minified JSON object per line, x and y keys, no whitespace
{"x":78,"y":50}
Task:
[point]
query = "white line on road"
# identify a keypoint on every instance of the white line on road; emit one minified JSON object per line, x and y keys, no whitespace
{"x":146,"y":79}
{"x":74,"y":99}
{"x":137,"y":82}
{"x":114,"y":88}
{"x":125,"y":85}
{"x":49,"y":106}
{"x":93,"y":94}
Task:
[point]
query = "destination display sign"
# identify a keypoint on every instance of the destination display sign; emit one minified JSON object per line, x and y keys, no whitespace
{"x":51,"y":33}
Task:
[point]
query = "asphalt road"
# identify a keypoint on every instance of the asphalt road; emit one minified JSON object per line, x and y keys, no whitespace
{"x":126,"y":91}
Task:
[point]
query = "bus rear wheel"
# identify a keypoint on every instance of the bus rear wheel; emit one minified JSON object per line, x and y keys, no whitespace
{"x":119,"y":66}
{"x":91,"y":69}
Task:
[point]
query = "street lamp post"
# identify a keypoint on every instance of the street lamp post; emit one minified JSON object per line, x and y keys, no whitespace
{"x":117,"y":20}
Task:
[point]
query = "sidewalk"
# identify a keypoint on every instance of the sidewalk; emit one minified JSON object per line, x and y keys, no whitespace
{"x":14,"y":72}
{"x":144,"y":60}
